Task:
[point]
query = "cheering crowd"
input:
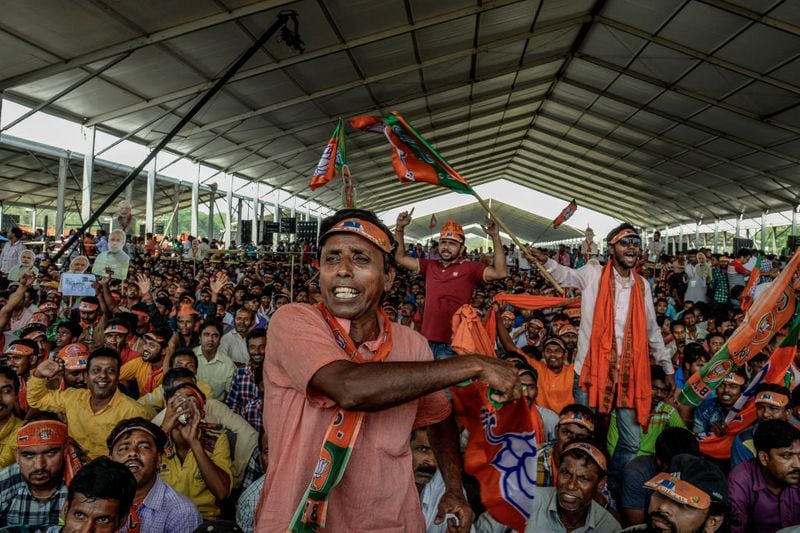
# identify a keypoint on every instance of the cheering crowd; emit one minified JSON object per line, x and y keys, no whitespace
{"x":374,"y":384}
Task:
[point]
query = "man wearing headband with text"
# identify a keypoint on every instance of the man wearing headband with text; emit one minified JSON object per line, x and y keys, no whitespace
{"x":618,"y":332}
{"x":32,"y":490}
{"x":570,"y":505}
{"x":450,"y":280}
{"x":772,"y":403}
{"x":93,"y":321}
{"x":691,"y":497}
{"x":333,"y":414}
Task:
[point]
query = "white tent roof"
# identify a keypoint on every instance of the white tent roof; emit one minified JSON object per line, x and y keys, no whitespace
{"x":657,"y":112}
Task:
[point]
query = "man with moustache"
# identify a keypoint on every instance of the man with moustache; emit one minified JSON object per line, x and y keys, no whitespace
{"x":617,"y":335}
{"x":245,"y":383}
{"x":9,"y":423}
{"x":75,"y":357}
{"x":22,"y":355}
{"x":356,"y":367}
{"x":570,"y":505}
{"x":709,"y":416}
{"x":765,"y":490}
{"x":691,"y":497}
{"x":450,"y":280}
{"x":428,"y":479}
{"x":148,"y":370}
{"x":32,"y":490}
{"x":92,"y":412}
{"x":139,"y":444}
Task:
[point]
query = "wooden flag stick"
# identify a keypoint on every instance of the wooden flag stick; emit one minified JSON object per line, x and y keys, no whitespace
{"x":521,"y":246}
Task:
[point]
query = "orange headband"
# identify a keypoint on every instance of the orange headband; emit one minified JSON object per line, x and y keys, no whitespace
{"x":734,"y":378}
{"x":116,"y":328}
{"x":364,"y":229}
{"x":34,"y":334}
{"x":567,"y":329}
{"x":775,"y":399}
{"x":19,"y":349}
{"x":187,"y":310}
{"x":134,"y":428}
{"x":573,"y":417}
{"x":537,"y":322}
{"x":627,"y":232}
{"x":194,"y":391}
{"x":87,"y":306}
{"x":39,"y":318}
{"x":153,"y":337}
{"x":679,"y":490}
{"x":556,"y":341}
{"x":42,"y":433}
{"x":507,"y":314}
{"x":591,"y":451}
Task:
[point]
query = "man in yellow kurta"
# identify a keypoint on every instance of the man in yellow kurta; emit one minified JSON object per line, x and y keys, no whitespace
{"x":9,"y":424}
{"x":92,"y":412}
{"x":197,"y":460}
{"x":148,"y":370}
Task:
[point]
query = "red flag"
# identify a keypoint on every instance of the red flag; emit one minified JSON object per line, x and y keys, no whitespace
{"x":413,"y":158}
{"x":334,"y":157}
{"x":502,"y":445}
{"x":565,"y":214}
{"x":743,"y":414}
{"x":434,"y":222}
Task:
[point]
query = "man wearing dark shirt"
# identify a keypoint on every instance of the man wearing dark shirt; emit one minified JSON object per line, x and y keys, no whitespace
{"x":450,"y":280}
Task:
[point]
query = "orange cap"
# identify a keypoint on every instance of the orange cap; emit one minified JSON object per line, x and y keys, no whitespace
{"x":452,"y":230}
{"x":75,"y":356}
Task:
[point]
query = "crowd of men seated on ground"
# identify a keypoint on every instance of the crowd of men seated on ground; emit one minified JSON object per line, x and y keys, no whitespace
{"x":160,"y":375}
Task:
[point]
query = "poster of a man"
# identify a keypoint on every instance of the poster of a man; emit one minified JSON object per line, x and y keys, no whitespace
{"x":26,"y":263}
{"x":115,"y":261}
{"x":79,"y":264}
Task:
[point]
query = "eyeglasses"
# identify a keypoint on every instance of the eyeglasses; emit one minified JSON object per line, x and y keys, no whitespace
{"x":630,"y":241}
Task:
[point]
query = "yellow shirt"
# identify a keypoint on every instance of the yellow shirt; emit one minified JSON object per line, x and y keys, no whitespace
{"x":218,"y":372}
{"x":185,"y":477}
{"x":146,"y":377}
{"x":88,"y":428}
{"x":8,"y":441}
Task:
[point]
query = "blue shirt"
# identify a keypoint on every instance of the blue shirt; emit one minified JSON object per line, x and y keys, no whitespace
{"x":165,"y":511}
{"x":706,"y":415}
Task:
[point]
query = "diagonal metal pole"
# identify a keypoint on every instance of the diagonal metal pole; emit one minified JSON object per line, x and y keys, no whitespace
{"x":288,"y":35}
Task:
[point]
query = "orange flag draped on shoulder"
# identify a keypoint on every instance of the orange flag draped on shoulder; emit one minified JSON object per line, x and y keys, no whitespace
{"x":502,"y":445}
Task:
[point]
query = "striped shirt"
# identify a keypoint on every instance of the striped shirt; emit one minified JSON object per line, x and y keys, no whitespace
{"x":18,"y":506}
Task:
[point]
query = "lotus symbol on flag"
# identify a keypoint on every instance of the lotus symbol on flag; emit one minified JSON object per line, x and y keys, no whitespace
{"x":324,"y":162}
{"x":516,"y":460}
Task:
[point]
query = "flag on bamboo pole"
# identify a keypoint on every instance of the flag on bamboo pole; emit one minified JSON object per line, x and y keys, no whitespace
{"x":746,"y":298}
{"x":767,"y":316}
{"x":502,"y":444}
{"x":434,"y":221}
{"x":413,"y":158}
{"x":743,"y":413}
{"x":334,"y":157}
{"x":565,"y":213}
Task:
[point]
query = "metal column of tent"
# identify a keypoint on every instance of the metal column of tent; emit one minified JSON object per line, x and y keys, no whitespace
{"x":289,"y":35}
{"x":60,"y":195}
{"x":150,"y":201}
